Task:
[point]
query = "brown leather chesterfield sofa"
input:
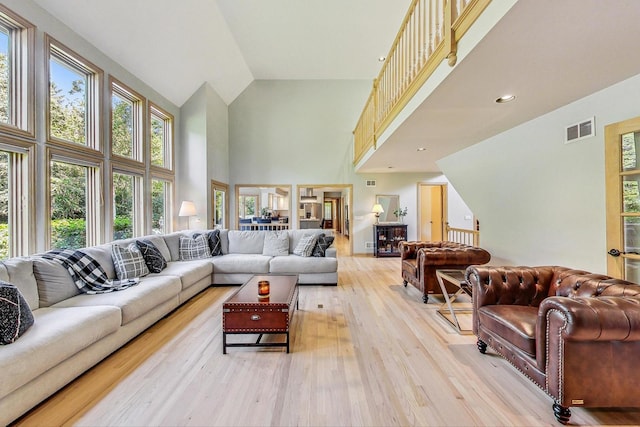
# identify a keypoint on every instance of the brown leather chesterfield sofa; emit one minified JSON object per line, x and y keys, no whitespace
{"x":420,"y":260}
{"x":574,"y":334}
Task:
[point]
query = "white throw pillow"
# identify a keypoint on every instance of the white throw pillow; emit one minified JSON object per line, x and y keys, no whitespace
{"x":305,"y":245}
{"x":276,"y":243}
{"x":128,"y":261}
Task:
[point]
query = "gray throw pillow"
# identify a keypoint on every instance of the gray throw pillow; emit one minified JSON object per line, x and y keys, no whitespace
{"x":305,"y":245}
{"x":322,"y":245}
{"x":152,"y":256}
{"x":276,"y":243}
{"x":194,"y":247}
{"x":15,"y":315}
{"x":128,"y":261}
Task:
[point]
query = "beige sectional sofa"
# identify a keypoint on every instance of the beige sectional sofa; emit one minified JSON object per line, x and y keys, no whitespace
{"x":74,"y":331}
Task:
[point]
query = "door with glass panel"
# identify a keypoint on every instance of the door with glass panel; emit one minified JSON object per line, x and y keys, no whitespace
{"x":220,"y":204}
{"x":622,"y":172}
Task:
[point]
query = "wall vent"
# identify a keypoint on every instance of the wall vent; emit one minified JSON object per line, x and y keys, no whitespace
{"x":368,"y":245}
{"x":371,"y":183}
{"x":582,"y":130}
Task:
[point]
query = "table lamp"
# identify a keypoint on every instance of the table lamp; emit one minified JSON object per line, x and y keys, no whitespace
{"x":377,"y":209}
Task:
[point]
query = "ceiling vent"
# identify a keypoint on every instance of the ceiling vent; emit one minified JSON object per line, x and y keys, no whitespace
{"x":371,"y":183}
{"x":582,"y":130}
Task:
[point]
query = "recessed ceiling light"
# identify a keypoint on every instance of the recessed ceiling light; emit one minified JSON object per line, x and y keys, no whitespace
{"x":505,"y":98}
{"x":421,"y":149}
{"x":382,"y":58}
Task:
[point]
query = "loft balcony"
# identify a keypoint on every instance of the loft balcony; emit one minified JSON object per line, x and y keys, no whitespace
{"x":452,"y":59}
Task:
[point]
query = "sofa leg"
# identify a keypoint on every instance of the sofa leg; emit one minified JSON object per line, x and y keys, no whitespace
{"x":562,"y":413}
{"x":404,"y":282}
{"x":425,"y":298}
{"x":482,"y":346}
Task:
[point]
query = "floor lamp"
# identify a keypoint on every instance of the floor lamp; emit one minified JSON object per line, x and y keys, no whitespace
{"x":188,"y":209}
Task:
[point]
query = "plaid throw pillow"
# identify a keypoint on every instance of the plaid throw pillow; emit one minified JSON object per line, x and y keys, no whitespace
{"x":128,"y":261}
{"x":194,"y":247}
{"x":152,"y":256}
{"x":305,"y":245}
{"x":15,"y":314}
{"x":322,"y":245}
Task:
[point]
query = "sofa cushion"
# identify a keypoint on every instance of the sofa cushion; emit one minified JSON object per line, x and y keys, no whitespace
{"x":189,"y":272}
{"x":246,"y":242}
{"x":293,"y":264}
{"x":276,"y":243}
{"x":194,"y":247}
{"x":241,"y":263}
{"x":19,"y":272}
{"x":134,"y":301}
{"x":514,"y":323}
{"x":54,"y":282}
{"x":128,"y":261}
{"x":156,"y":262}
{"x":305,"y":246}
{"x":15,"y":315}
{"x":56,"y":335}
{"x":172,"y":240}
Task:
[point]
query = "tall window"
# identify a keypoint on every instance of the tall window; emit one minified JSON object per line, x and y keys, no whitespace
{"x":127,"y":205}
{"x":161,"y":202}
{"x":15,"y":201}
{"x":161,"y":138}
{"x":17,"y":80}
{"x":126,"y":122}
{"x":75,"y":196}
{"x":73,"y":99}
{"x":5,"y":88}
{"x":248,"y":206}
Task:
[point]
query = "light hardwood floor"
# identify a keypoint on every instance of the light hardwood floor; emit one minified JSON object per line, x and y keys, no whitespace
{"x":365,"y":353}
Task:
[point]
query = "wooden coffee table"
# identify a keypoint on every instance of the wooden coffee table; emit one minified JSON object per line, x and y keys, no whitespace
{"x":245,"y":313}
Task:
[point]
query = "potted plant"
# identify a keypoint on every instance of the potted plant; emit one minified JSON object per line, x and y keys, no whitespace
{"x":400,"y":213}
{"x":265,"y":213}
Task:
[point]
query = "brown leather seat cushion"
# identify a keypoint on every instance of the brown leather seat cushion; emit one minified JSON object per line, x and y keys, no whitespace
{"x":515,"y":323}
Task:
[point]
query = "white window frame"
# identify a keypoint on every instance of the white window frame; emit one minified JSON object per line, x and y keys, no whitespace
{"x":138,"y":103}
{"x":137,"y":202}
{"x":168,"y":146}
{"x":95,"y":201}
{"x":169,"y":200}
{"x":94,"y":93}
{"x":21,"y":74}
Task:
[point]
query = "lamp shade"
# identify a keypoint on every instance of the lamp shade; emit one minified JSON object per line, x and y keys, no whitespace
{"x":187,"y":208}
{"x":377,"y":208}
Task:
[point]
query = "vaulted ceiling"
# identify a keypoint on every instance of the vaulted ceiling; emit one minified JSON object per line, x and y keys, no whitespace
{"x":547,"y":52}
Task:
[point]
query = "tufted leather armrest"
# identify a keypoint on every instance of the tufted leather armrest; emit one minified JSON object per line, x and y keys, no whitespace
{"x":584,"y":319}
{"x":590,"y":318}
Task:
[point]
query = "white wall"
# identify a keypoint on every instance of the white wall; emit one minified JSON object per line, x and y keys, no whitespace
{"x":300,"y":133}
{"x":294,"y":132}
{"x":202,"y":154}
{"x":540,"y":201}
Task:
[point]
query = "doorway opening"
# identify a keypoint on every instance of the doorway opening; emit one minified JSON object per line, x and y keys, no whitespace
{"x":432,"y":212}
